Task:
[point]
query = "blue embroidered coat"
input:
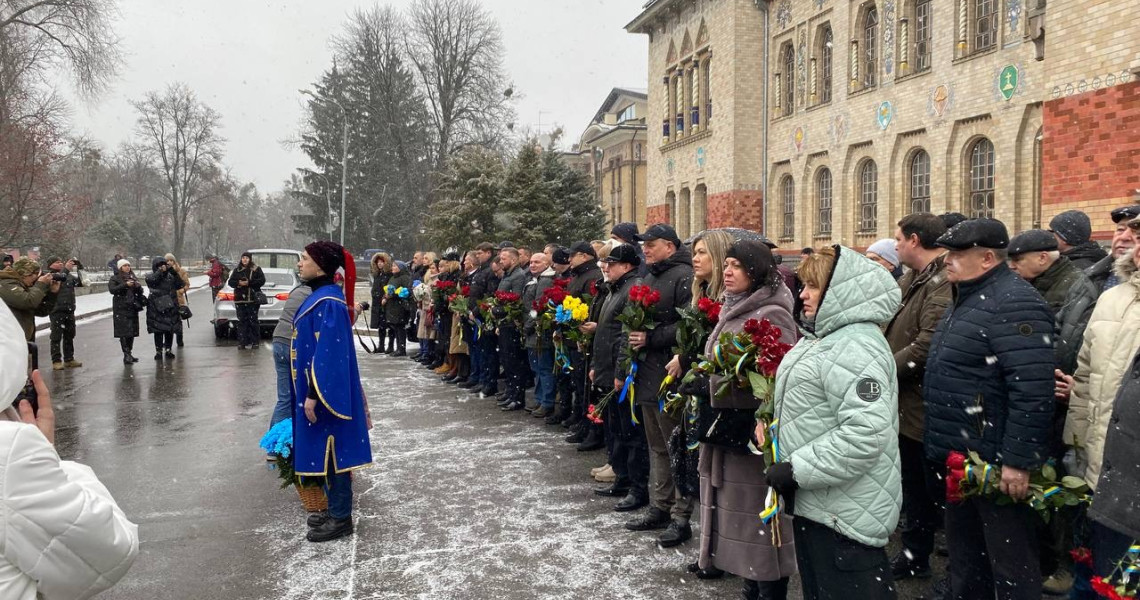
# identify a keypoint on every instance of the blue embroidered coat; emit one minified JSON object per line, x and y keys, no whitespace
{"x":322,"y":357}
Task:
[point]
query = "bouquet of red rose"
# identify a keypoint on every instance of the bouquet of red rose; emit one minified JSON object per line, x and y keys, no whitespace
{"x":547,"y":304}
{"x":441,"y":291}
{"x":457,"y":302}
{"x":639,"y":315}
{"x":970,"y":476}
{"x":695,"y":326}
{"x":506,"y":310}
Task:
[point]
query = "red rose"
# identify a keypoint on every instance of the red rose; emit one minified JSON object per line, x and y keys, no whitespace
{"x":714,"y":312}
{"x":466,"y":290}
{"x":653,"y":298}
{"x":1105,"y":589}
{"x":954,"y":489}
{"x":561,"y":282}
{"x":1082,"y":556}
{"x":956,"y":461}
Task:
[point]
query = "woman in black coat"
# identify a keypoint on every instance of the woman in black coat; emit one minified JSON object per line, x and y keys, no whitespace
{"x":381,"y":272}
{"x":127,"y":300}
{"x":246,"y":281}
{"x":162,"y":306}
{"x":398,"y":308}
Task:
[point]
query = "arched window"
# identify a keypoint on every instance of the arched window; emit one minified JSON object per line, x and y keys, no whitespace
{"x":920,"y":182}
{"x":827,"y":40}
{"x":982,"y":179}
{"x":788,"y":196}
{"x":870,"y":47}
{"x":823,"y":200}
{"x":868,"y":196}
{"x":923,"y":34}
{"x":789,"y":67}
{"x":985,"y":24}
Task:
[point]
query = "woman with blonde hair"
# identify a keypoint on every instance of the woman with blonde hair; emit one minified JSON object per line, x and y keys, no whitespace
{"x":381,"y":273}
{"x":425,"y":330}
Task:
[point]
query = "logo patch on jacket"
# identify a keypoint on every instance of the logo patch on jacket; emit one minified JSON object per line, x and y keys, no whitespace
{"x":868,"y":389}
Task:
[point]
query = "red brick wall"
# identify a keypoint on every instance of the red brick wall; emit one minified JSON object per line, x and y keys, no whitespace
{"x":657,"y":214}
{"x":1091,"y":154}
{"x":737,"y":208}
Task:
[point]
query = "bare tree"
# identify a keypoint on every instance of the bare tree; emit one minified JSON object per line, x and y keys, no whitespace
{"x":74,"y":34}
{"x":181,"y":133}
{"x":457,"y":50}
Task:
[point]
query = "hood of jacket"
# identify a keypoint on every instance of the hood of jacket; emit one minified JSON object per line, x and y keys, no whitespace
{"x":9,"y":274}
{"x":860,"y":291}
{"x":681,"y":257}
{"x":1124,"y":267}
{"x":157,"y":262}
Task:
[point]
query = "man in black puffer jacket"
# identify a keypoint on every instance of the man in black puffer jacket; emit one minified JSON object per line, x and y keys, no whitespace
{"x":670,"y":274}
{"x":989,"y":388}
{"x":583,"y":272}
{"x":1073,"y":231}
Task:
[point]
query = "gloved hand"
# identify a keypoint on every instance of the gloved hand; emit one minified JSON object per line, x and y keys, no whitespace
{"x":698,"y":386}
{"x":781,"y":478}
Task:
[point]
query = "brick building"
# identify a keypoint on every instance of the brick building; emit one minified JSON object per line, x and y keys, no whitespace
{"x":612,"y":152}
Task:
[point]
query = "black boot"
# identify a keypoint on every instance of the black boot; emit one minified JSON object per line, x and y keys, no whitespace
{"x":595,"y":439}
{"x":330,"y":530}
{"x":128,"y":359}
{"x":764,"y":590}
{"x":710,"y":573}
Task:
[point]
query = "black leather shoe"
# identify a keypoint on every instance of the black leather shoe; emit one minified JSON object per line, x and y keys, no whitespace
{"x":399,"y":353}
{"x":513,"y":406}
{"x":318,"y":518}
{"x":169,"y":354}
{"x":654,"y":518}
{"x":554,"y":419}
{"x":709,"y":573}
{"x":488,"y":392}
{"x":330,"y":530}
{"x":158,"y":356}
{"x":576,"y":438}
{"x":905,"y":566}
{"x":612,"y":491}
{"x":595,"y":440}
{"x":474,"y":389}
{"x":503,"y":402}
{"x":676,"y":534}
{"x":571,"y":421}
{"x":630,"y":502}
{"x":469,"y":384}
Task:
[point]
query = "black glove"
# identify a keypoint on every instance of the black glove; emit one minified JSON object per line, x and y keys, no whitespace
{"x":781,"y":478}
{"x":698,"y":386}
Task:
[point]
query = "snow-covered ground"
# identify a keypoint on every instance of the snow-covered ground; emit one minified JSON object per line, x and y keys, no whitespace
{"x":98,"y":305}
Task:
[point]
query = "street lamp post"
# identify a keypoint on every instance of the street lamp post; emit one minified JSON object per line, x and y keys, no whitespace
{"x":328,"y":195}
{"x":343,"y":159}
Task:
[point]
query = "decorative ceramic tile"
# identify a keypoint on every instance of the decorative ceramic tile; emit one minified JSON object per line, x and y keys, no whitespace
{"x":784,"y":14}
{"x":885,"y":114}
{"x":888,"y":37}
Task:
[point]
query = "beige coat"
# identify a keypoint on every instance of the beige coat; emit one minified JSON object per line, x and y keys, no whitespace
{"x":1111,"y":341}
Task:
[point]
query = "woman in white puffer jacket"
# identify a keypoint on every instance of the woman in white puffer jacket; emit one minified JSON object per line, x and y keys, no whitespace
{"x":61,"y":534}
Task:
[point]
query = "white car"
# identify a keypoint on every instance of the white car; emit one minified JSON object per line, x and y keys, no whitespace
{"x":278,"y":284}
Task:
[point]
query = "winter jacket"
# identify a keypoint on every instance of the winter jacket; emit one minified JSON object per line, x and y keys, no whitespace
{"x":126,"y":302}
{"x":26,"y":302}
{"x":925,"y":296}
{"x":283,"y":332}
{"x":1085,"y":255}
{"x":62,"y":535}
{"x":217,"y":269}
{"x":608,"y":336}
{"x":989,"y":376}
{"x":532,"y":291}
{"x":246,"y":294}
{"x":673,"y":278}
{"x":397,"y":311}
{"x":379,"y":283}
{"x":1099,"y":273}
{"x":836,"y":399}
{"x":185,"y":278}
{"x":581,"y":278}
{"x":1112,"y":338}
{"x":1071,"y":297}
{"x":483,"y":283}
{"x":65,"y":299}
{"x":514,"y":281}
{"x":162,"y":304}
{"x":1117,"y":504}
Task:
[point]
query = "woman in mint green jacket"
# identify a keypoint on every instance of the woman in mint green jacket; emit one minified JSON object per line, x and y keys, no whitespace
{"x":836,"y":401}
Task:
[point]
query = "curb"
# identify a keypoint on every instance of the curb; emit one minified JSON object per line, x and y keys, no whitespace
{"x":102,"y":311}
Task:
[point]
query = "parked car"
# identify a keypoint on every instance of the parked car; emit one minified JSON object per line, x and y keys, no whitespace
{"x":278,"y":283}
{"x":274,"y":258}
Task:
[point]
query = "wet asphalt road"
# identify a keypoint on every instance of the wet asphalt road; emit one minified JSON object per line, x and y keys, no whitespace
{"x":464,"y":501}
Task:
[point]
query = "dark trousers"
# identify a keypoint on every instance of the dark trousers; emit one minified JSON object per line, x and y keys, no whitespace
{"x":163,"y":341}
{"x":578,"y":382}
{"x":62,"y":335}
{"x":489,"y":353}
{"x":127,"y":344}
{"x":214,"y":289}
{"x":247,"y":329}
{"x":920,"y":486}
{"x":515,"y":364}
{"x":630,"y":454}
{"x":474,"y":349}
{"x":836,"y":567}
{"x":993,"y":549}
{"x":338,"y":488}
{"x":564,"y":387}
{"x":397,"y":338}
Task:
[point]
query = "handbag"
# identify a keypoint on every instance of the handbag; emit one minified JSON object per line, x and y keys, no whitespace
{"x":259,"y":297}
{"x":728,"y":428}
{"x":184,"y":312}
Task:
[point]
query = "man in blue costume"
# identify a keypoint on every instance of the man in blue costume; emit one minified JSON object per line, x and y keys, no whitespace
{"x":332,"y":438}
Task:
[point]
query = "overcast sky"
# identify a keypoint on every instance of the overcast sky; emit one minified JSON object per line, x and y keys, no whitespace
{"x":247,"y":60}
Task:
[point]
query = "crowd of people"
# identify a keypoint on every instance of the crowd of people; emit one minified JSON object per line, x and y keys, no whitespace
{"x":950,"y":338}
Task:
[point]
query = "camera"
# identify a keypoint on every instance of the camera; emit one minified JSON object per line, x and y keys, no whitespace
{"x":59,"y":276}
{"x":78,"y":265}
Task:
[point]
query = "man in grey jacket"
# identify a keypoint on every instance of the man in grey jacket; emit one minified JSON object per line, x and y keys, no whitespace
{"x":511,"y":353}
{"x":282,"y":337}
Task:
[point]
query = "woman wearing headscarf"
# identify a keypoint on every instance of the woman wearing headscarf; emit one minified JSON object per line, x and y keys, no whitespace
{"x":162,"y":306}
{"x":246,"y":281}
{"x":733,"y":490}
{"x":182,"y":291}
{"x":398,"y":305}
{"x":836,"y":405}
{"x":127,"y":300}
{"x":381,"y":272}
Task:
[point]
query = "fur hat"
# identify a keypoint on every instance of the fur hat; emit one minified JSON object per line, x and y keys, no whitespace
{"x":25,"y":267}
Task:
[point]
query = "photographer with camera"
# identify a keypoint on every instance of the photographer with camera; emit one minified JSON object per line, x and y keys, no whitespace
{"x":69,"y":276}
{"x":162,"y":318}
{"x":28,"y":293}
{"x":62,"y":534}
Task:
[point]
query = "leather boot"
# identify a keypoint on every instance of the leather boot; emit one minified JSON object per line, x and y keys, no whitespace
{"x":595,"y":439}
{"x":764,"y":590}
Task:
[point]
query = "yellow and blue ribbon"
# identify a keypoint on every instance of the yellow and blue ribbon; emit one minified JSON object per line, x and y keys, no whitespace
{"x":628,"y":391}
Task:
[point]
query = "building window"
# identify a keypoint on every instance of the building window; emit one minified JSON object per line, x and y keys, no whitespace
{"x":788,"y":195}
{"x":982,"y":179}
{"x":789,"y":67}
{"x":870,"y":47}
{"x":868,"y":196}
{"x":920,"y":182}
{"x":825,"y":59}
{"x":706,"y":80}
{"x":629,"y":114}
{"x":923,"y":34}
{"x":823,"y":200}
{"x":985,"y":24}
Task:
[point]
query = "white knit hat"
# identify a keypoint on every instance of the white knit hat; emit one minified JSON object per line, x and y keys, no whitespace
{"x":122,"y":261}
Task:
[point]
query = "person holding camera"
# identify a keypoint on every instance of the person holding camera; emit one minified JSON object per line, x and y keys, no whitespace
{"x":246,"y":281}
{"x":127,"y":301}
{"x":184,"y":277}
{"x":28,"y":293}
{"x":62,"y":317}
{"x":63,"y":534}
{"x":162,"y":318}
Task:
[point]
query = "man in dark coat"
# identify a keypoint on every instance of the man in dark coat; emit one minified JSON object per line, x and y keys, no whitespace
{"x":483,"y":285}
{"x":162,"y":306}
{"x":989,"y":388}
{"x":63,"y":316}
{"x":512,"y":354}
{"x":584,"y":273}
{"x":670,"y":274}
{"x":627,"y":233}
{"x":925,"y":295}
{"x":398,"y":308}
{"x":1101,"y":272}
{"x":1073,"y":231}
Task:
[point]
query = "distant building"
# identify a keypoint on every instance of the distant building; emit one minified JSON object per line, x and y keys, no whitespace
{"x":612,"y":152}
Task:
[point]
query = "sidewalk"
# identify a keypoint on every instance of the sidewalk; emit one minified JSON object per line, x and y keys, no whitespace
{"x":93,"y":305}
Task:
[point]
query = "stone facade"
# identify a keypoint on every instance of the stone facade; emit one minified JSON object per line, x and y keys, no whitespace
{"x":612,"y":150}
{"x":705,"y":106}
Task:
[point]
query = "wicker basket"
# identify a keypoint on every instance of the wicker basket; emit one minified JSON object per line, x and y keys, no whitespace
{"x":313,"y":498}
